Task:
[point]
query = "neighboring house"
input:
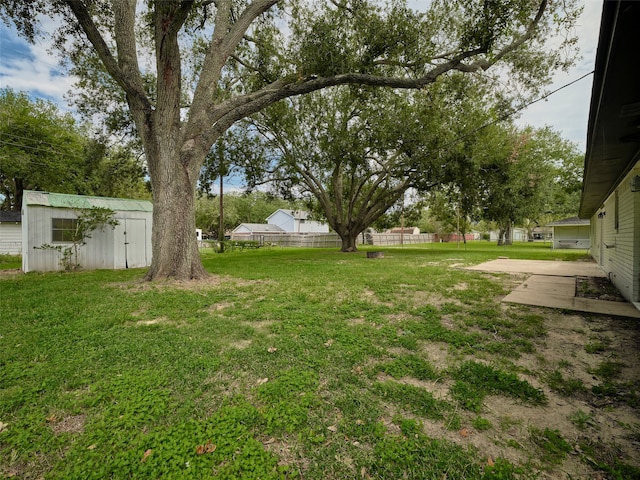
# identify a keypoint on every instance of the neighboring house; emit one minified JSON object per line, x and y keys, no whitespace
{"x":10,"y":233}
{"x":296,"y":221}
{"x":246,"y":230}
{"x":571,"y":232}
{"x":611,"y":181}
{"x":45,"y":217}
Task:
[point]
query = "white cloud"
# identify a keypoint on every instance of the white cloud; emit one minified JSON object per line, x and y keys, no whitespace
{"x":32,"y":69}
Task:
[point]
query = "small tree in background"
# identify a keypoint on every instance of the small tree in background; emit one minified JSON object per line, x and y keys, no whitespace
{"x":89,"y":220}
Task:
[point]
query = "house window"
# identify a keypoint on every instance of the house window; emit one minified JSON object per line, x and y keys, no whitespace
{"x":616,"y":216}
{"x":63,"y":229}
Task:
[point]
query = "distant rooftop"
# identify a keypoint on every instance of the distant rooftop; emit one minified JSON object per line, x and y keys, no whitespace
{"x":297,"y":214}
{"x":10,"y":217}
{"x":261,"y":227}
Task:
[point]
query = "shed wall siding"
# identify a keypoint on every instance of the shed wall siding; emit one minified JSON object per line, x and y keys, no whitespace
{"x":10,"y":238}
{"x":104,"y":250}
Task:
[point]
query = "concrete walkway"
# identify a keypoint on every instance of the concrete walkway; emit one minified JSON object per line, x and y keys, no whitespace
{"x":542,"y":267}
{"x":553,"y":284}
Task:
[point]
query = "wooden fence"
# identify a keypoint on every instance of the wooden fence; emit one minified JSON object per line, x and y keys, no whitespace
{"x":308,"y":240}
{"x":332,"y":240}
{"x":397,"y":239}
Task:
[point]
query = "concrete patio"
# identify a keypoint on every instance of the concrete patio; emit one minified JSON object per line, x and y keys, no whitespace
{"x":553,"y":284}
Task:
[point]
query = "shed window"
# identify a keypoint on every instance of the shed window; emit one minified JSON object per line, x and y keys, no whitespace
{"x":63,"y":229}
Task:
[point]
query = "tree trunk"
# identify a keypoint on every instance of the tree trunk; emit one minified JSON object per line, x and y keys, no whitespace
{"x":17,"y":205}
{"x":174,"y":245}
{"x":349,"y":241}
{"x":504,"y":234}
{"x":508,"y":240}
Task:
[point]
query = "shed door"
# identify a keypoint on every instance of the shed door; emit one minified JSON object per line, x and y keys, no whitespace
{"x":135,"y":242}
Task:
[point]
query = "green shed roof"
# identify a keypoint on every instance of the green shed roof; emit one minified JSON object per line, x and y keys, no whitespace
{"x":64,"y":200}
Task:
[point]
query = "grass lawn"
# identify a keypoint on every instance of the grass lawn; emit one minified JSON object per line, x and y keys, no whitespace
{"x":312,"y":364}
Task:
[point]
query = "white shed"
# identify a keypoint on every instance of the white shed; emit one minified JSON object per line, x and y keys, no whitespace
{"x":44,"y":215}
{"x":10,"y":233}
{"x":571,"y":233}
{"x":296,"y":221}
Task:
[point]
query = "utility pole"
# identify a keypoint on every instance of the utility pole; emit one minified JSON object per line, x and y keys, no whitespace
{"x":221,"y":237}
{"x":458,"y":228}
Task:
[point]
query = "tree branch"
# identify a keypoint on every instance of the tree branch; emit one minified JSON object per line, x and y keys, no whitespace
{"x":133,"y":87}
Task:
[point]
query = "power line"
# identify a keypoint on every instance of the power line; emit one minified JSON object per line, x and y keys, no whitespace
{"x":505,"y":116}
{"x":549,"y":94}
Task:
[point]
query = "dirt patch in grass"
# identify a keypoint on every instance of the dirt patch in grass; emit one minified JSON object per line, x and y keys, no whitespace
{"x":612,"y":418}
{"x":422,"y":298}
{"x":208,"y":283}
{"x":155,"y":321}
{"x":371,"y":297}
{"x":218,"y":307}
{"x":262,"y":326}
{"x":600,"y":428}
{"x":69,"y":424}
{"x":437,"y":353}
{"x":400,"y":317}
{"x":10,"y":271}
{"x":599,"y":288}
{"x":285,"y":450}
{"x":240,"y":344}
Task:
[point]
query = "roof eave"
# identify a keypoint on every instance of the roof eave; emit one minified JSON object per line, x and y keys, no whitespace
{"x":612,"y":133}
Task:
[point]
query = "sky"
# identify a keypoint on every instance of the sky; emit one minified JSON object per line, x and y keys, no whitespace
{"x":34,"y":69}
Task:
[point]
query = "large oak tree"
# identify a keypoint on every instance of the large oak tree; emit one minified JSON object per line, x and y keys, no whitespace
{"x":188,"y":69}
{"x":352,"y":152}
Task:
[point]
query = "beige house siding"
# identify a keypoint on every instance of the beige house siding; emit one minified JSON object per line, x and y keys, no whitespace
{"x":10,"y":238}
{"x":617,"y":250}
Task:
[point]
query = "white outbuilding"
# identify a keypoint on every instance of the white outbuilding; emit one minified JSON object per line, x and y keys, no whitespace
{"x":571,"y":233}
{"x":46,"y":216}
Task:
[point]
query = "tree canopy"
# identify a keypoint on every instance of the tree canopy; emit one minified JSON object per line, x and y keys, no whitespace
{"x":188,"y":70}
{"x":352,"y":153}
{"x":510,"y":176}
{"x":42,"y":148}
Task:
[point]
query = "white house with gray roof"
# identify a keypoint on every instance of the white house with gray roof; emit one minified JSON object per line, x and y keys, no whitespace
{"x":46,"y":216}
{"x":296,"y":221}
{"x":247,"y":229}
